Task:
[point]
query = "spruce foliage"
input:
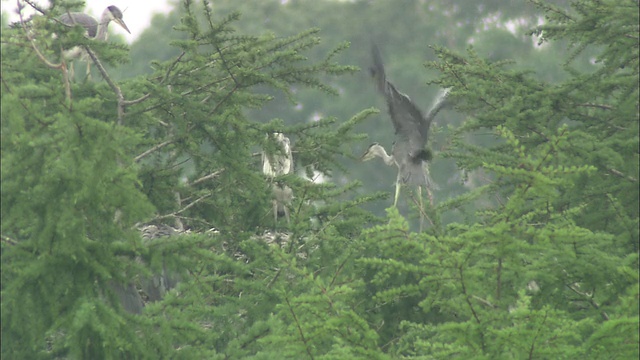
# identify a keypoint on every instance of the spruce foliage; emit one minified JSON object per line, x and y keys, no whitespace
{"x":122,"y":184}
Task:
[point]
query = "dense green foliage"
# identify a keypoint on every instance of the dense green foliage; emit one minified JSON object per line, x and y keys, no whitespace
{"x":532,"y":245}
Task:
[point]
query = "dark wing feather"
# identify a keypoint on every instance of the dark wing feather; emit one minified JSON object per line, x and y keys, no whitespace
{"x":412,"y":128}
{"x":84,"y":20}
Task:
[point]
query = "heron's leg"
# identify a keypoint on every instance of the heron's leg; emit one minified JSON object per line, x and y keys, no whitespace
{"x":275,"y":214}
{"x":395,"y":199}
{"x":421,"y":205}
{"x":430,"y":195}
{"x":88,"y":69}
{"x":70,"y":71}
{"x":286,"y":214}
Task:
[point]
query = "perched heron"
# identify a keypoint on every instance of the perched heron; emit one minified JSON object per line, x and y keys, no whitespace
{"x":95,"y":30}
{"x":409,"y":153}
{"x":277,"y":165}
{"x":164,"y":279}
{"x":128,"y":295}
{"x":155,"y":287}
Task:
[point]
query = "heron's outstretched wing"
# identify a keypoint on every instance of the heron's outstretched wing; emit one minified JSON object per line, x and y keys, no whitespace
{"x":412,"y":128}
{"x":442,"y":101}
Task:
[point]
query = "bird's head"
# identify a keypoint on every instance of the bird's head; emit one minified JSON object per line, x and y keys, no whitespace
{"x":372,"y":151}
{"x":116,"y":16}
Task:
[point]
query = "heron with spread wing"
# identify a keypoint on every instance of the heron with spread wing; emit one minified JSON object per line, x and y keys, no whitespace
{"x":409,"y":153}
{"x":95,"y":30}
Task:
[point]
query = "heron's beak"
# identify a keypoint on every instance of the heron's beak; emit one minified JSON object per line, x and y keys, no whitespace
{"x":121,"y":23}
{"x":366,"y":156}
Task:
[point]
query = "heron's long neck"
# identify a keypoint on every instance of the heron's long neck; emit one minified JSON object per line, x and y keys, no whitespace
{"x":382,"y":153}
{"x":103,"y":26}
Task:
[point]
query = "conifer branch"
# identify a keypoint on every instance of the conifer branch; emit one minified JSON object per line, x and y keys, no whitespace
{"x":535,"y":131}
{"x":553,"y":9}
{"x":533,"y":342}
{"x":24,"y":106}
{"x":466,"y":295}
{"x":335,"y":275}
{"x":499,"y":279}
{"x":226,"y":66}
{"x":170,"y":68}
{"x":295,"y":318}
{"x":164,"y":78}
{"x":275,"y":277}
{"x":226,"y":97}
{"x":465,"y":86}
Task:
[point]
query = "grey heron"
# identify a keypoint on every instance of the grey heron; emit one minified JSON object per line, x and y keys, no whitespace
{"x":164,"y":279}
{"x":409,"y":153}
{"x":277,"y":165}
{"x":96,"y":30}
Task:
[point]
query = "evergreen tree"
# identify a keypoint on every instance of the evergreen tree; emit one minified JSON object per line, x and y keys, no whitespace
{"x":548,"y":264}
{"x":86,"y":165}
{"x":147,"y":189}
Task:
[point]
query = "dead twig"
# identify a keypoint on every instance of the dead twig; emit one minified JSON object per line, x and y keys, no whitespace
{"x":589,"y":298}
{"x":484,"y":302}
{"x":61,"y":66}
{"x":621,"y":175}
{"x":206,"y":177}
{"x":112,"y":85}
{"x":187,"y":207}
{"x":153,"y":149}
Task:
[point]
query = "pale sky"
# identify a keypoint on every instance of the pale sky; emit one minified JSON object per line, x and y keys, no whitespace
{"x":137,"y":13}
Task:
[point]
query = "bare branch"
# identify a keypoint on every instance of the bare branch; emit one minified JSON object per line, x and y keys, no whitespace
{"x":114,"y":87}
{"x":9,"y":241}
{"x":187,"y":207}
{"x":62,"y":66}
{"x":206,"y":177}
{"x":589,"y":298}
{"x":485,"y":302}
{"x":599,"y":106}
{"x":34,"y":6}
{"x":136,"y":101}
{"x":153,"y":149}
{"x":621,"y":175}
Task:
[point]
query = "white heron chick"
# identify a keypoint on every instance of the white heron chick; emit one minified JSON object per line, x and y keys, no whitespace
{"x":277,"y":165}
